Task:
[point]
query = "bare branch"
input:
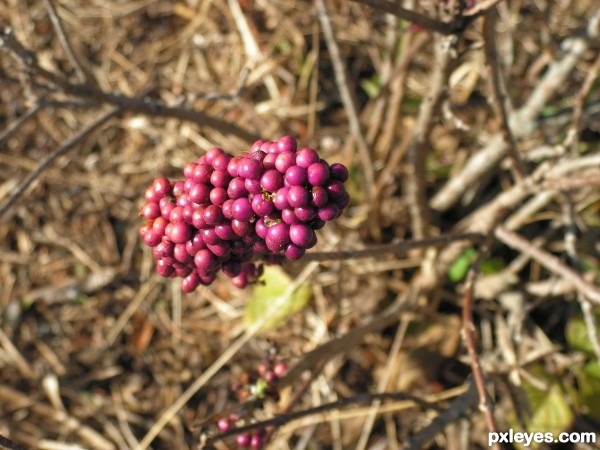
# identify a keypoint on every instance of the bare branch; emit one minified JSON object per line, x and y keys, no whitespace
{"x":84,"y":74}
{"x":144,"y":105}
{"x":498,"y":94}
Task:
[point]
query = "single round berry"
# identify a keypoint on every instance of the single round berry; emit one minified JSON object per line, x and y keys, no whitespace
{"x":296,"y":176}
{"x":318,"y":174}
{"x":289,"y":216}
{"x":328,"y":212}
{"x":198,"y":218}
{"x":237,"y":188}
{"x":166,"y":209}
{"x":176,"y":214}
{"x":294,"y":252}
{"x":242,"y":209}
{"x":225,"y":231}
{"x":306,"y":157}
{"x":162,"y":186}
{"x":152,"y":239}
{"x":335,"y":190}
{"x":222,"y":249}
{"x":305,"y":213}
{"x":301,"y":234}
{"x":253,"y":186}
{"x":261,"y":229}
{"x":188,"y":169}
{"x":280,"y":201}
{"x":279,"y":233}
{"x":164,"y":249}
{"x":261,"y":206}
{"x":319,"y":196}
{"x":218,"y":196}
{"x":212,"y":154}
{"x":205,"y":261}
{"x":159,"y":225}
{"x":268,"y":161}
{"x":284,"y":161}
{"x":209,"y":236}
{"x":339,"y":172}
{"x":287,"y":144}
{"x":202,"y":173}
{"x":298,"y":197}
{"x":164,"y":268}
{"x":212,"y":215}
{"x":181,"y":254}
{"x":223,"y":425}
{"x":271,"y":180}
{"x":227,"y":209}
{"x":199,"y":193}
{"x":256,"y":146}
{"x":240,"y":281}
{"x":241,"y":228}
{"x":250,"y":168}
{"x":180,"y":233}
{"x":151,"y":211}
{"x":234,"y":166}
{"x":280,"y":369}
{"x":221,"y":162}
{"x":274,"y":246}
{"x":220,"y":178}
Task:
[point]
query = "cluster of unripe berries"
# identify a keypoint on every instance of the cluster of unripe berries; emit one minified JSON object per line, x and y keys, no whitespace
{"x":263,"y":384}
{"x":268,"y":201}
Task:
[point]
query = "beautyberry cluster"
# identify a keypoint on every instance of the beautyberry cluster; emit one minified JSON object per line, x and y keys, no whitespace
{"x":259,"y":386}
{"x":268,"y":201}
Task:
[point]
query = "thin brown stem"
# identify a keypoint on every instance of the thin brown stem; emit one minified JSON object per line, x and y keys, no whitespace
{"x":346,"y":96}
{"x":498,"y":94}
{"x":84,"y":74}
{"x":485,"y":402}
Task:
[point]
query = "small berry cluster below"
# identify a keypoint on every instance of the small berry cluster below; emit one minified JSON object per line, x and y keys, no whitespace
{"x":268,"y":201}
{"x":259,"y":386}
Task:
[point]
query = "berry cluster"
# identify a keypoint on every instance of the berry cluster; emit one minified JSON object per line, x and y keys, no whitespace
{"x":253,"y":440}
{"x":259,"y":386}
{"x":269,"y":201}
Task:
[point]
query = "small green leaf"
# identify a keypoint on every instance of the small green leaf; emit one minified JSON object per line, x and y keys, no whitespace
{"x":553,"y":413}
{"x":492,"y":265}
{"x":577,"y":335}
{"x":588,"y":379}
{"x":275,"y":283}
{"x":372,"y":86}
{"x":459,"y":268}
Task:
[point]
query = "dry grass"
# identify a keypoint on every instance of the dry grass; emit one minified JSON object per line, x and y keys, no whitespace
{"x":94,"y":347}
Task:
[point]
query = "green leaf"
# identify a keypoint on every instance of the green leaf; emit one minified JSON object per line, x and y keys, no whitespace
{"x":553,"y":413}
{"x":372,"y":86}
{"x":274,"y":284}
{"x":588,"y":379}
{"x":577,"y":335}
{"x":459,"y":268}
{"x":549,"y":410}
